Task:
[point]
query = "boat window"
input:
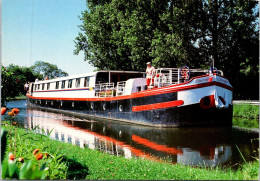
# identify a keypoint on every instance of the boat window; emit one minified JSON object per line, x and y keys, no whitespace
{"x":57,"y":84}
{"x":138,"y":88}
{"x":70,"y":83}
{"x":77,"y":83}
{"x":35,"y":87}
{"x":48,"y":86}
{"x":102,"y":77}
{"x":43,"y":86}
{"x":38,"y":87}
{"x":86,"y":82}
{"x":63,"y":84}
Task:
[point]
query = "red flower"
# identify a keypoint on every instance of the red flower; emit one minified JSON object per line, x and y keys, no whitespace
{"x":10,"y":113}
{"x":35,"y":151}
{"x":11,"y":156}
{"x":14,"y":123}
{"x":3,"y":110}
{"x":15,"y":111}
{"x":38,"y":156}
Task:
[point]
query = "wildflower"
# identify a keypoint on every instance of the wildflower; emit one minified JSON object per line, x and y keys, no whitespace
{"x":15,"y":111}
{"x":38,"y":156}
{"x":3,"y":110}
{"x":14,"y":123}
{"x":35,"y":151}
{"x":11,"y":156}
{"x":11,"y":113}
{"x":20,"y":159}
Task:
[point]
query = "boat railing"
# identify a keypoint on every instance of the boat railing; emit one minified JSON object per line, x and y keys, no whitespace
{"x":120,"y":88}
{"x":169,"y":76}
{"x":104,"y":90}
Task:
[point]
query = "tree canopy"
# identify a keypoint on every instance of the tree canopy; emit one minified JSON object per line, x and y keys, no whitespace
{"x":48,"y":70}
{"x":124,"y":35}
{"x":14,"y":77}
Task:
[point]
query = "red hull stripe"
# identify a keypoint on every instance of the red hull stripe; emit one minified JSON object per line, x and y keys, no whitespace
{"x":156,"y":146}
{"x":157,"y":106}
{"x":156,"y":91}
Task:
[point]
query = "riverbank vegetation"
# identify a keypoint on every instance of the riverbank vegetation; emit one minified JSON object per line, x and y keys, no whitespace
{"x":246,"y":111}
{"x":246,"y":116}
{"x":13,"y":78}
{"x":66,"y":161}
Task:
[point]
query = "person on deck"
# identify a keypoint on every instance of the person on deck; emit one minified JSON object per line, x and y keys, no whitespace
{"x":150,"y":72}
{"x":26,"y":87}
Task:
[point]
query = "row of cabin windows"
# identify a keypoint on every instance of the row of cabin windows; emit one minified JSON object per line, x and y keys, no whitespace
{"x":63,"y":82}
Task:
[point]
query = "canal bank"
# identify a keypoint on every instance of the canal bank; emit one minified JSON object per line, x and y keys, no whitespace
{"x":78,"y":163}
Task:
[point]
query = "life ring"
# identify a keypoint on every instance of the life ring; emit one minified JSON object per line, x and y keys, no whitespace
{"x":207,"y":102}
{"x":185,"y":73}
{"x":157,"y":78}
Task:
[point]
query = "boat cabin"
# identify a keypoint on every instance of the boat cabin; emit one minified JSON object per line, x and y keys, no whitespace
{"x":110,"y":83}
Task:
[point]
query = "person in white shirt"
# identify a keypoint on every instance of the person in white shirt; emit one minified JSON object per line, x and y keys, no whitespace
{"x":26,"y":87}
{"x":150,"y":72}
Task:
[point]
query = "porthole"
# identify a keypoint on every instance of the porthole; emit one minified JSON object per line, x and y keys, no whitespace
{"x":72,"y":104}
{"x":120,"y":108}
{"x":92,"y":105}
{"x":104,"y":107}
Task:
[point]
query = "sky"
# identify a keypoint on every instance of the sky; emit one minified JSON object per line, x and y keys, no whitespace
{"x":44,"y":30}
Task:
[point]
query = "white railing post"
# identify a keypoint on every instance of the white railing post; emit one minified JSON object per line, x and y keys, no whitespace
{"x":170,"y":76}
{"x":178,"y":76}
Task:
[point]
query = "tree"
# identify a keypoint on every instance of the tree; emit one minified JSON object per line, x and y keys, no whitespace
{"x":120,"y":35}
{"x":46,"y":69}
{"x":13,"y":79}
{"x":227,"y":30}
{"x":124,"y":35}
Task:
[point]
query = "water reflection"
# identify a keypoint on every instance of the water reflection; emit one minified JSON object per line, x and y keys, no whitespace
{"x":188,"y":146}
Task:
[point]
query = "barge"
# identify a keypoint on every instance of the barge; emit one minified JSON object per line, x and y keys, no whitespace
{"x":176,"y":96}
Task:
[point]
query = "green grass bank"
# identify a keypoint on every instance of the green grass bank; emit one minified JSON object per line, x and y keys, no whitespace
{"x":19,"y":97}
{"x":246,"y":115}
{"x":246,"y":111}
{"x":73,"y":162}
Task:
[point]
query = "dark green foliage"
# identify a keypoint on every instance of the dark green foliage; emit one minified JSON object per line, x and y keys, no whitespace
{"x":3,"y":143}
{"x":124,"y":35}
{"x":13,"y":79}
{"x":245,"y":122}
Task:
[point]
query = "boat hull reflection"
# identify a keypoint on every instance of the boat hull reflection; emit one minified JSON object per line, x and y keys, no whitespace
{"x":188,"y":146}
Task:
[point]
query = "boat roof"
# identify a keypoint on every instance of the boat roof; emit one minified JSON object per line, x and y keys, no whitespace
{"x":86,"y":75}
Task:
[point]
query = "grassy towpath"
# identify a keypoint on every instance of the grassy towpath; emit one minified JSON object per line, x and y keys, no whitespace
{"x":78,"y":163}
{"x":246,"y":115}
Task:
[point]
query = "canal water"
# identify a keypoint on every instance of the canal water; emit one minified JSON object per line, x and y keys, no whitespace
{"x":194,"y":146}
